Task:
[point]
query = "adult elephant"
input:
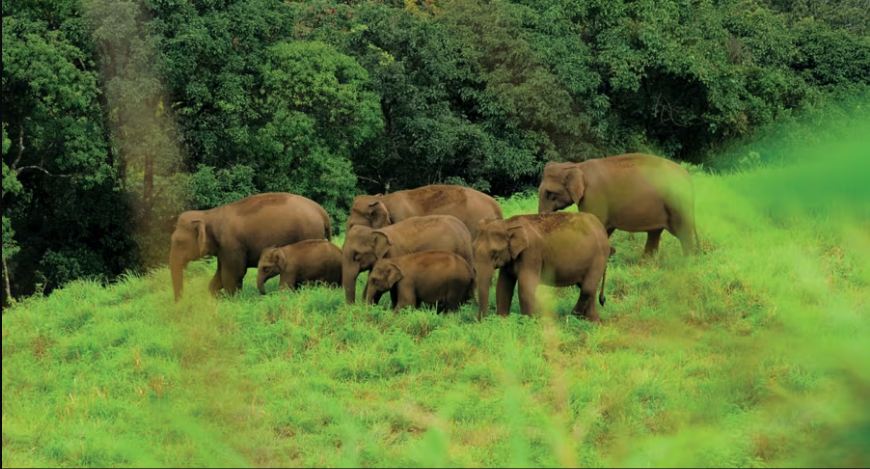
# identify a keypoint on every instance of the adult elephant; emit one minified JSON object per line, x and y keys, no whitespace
{"x":557,"y":249}
{"x":633,"y":192}
{"x":363,"y":246}
{"x":238,"y":232}
{"x":468,"y":205}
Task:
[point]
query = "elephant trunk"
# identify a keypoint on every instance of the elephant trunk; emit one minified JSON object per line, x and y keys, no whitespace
{"x":544,"y":205}
{"x":483,"y":279}
{"x":370,"y":293}
{"x":176,"y":268}
{"x":349,"y":273}
{"x":261,"y":281}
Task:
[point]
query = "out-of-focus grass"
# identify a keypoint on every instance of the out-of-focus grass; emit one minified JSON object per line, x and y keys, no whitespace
{"x":753,"y":353}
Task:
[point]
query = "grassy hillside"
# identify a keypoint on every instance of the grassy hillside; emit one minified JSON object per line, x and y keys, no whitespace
{"x":753,"y":353}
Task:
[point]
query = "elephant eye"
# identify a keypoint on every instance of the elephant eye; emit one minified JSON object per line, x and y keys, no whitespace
{"x":551,"y":195}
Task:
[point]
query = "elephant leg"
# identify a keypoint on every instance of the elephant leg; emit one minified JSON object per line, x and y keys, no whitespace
{"x":586,"y":305}
{"x":376,"y":298}
{"x":460,"y":296}
{"x":215,"y":285}
{"x":528,"y":284}
{"x":450,"y":302}
{"x":652,"y":242}
{"x":405,"y":298}
{"x":394,"y":296}
{"x":586,"y":302}
{"x":233,"y":269}
{"x":504,"y":291}
{"x":288,"y":282}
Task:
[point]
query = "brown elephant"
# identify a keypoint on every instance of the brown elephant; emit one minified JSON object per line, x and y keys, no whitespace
{"x":311,"y":260}
{"x":438,"y":278}
{"x":238,"y":232}
{"x":363,"y":246}
{"x":468,"y":205}
{"x":558,"y":249}
{"x":633,"y":192}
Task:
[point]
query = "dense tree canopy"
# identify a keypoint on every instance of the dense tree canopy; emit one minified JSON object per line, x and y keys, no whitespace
{"x":117,"y":114}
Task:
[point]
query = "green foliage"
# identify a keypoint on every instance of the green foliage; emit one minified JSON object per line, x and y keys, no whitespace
{"x":11,"y":186}
{"x":59,"y":187}
{"x":211,"y":188}
{"x":317,"y":111}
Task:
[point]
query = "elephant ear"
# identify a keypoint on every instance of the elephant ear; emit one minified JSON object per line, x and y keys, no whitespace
{"x":266,"y":254}
{"x":380,"y":243}
{"x":280,"y":258}
{"x":379,"y":215}
{"x":518,"y":240}
{"x":394,"y":274}
{"x":201,"y":236}
{"x":575,"y":183}
{"x":481,"y":224}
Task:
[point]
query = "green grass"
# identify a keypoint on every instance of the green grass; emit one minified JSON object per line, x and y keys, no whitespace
{"x":754,"y":353}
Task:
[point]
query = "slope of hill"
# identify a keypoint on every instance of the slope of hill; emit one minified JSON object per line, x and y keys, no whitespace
{"x":752,"y":353}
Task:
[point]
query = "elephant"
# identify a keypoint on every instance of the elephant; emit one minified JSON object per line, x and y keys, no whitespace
{"x":558,"y":249}
{"x":468,"y":205}
{"x":363,"y":245}
{"x":633,"y":192}
{"x":310,"y":260}
{"x":438,"y":278}
{"x":238,"y":232}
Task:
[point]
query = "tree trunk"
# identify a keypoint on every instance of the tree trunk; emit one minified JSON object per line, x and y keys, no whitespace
{"x":148,"y":187}
{"x":7,"y":288}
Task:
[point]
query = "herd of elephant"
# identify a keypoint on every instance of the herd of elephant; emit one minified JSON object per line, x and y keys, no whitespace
{"x":436,"y":244}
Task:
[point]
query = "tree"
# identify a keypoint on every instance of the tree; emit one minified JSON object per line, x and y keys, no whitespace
{"x":144,"y":144}
{"x":318,"y":110}
{"x":58,"y":184}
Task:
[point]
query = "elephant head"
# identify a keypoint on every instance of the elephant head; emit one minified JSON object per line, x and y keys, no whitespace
{"x":382,"y":278}
{"x":369,"y":210}
{"x":497,"y":243}
{"x":191,"y":240}
{"x":363,"y":246}
{"x":562,"y":184}
{"x":272,"y":262}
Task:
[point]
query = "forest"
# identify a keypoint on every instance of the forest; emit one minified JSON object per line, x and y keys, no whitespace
{"x":119,"y":114}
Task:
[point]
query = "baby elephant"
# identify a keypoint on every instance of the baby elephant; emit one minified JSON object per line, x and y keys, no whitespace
{"x":305,"y":261}
{"x":433,"y":277}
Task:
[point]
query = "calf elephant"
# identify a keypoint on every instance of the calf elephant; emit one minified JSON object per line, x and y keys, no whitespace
{"x":238,"y":232}
{"x":633,"y":192}
{"x":558,"y":249}
{"x":306,"y":261}
{"x":468,"y":205}
{"x":363,"y":246}
{"x":434,"y":277}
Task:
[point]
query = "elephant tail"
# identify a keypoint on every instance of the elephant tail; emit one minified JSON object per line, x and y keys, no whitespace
{"x":473,"y":287}
{"x":601,"y":297}
{"x":327,"y":227}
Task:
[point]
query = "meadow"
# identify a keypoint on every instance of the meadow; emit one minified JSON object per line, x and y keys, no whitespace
{"x":752,"y":353}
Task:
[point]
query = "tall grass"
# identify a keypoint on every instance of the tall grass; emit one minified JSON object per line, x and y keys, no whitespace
{"x":753,"y":353}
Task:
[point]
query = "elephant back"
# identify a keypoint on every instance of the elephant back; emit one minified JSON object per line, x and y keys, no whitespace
{"x":273,"y":219}
{"x":429,"y":233}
